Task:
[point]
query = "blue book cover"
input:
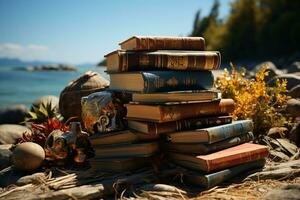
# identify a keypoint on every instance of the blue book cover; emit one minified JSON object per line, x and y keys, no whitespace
{"x":161,"y":81}
{"x":213,"y":179}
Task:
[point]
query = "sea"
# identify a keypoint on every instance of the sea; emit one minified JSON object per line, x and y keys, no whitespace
{"x":24,"y":87}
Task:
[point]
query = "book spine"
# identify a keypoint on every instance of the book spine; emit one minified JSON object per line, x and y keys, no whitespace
{"x":185,"y":111}
{"x":230,"y":142}
{"x":220,"y":133}
{"x":154,"y":43}
{"x":137,"y":61}
{"x":233,"y":160}
{"x":162,"y":81}
{"x":221,"y":176}
{"x":169,"y":127}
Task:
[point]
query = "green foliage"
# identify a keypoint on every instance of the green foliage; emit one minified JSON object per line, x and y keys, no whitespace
{"x":41,"y":113}
{"x":253,"y":28}
{"x":254,"y":99}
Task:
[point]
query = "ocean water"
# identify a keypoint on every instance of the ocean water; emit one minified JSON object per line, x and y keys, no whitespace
{"x":24,"y":87}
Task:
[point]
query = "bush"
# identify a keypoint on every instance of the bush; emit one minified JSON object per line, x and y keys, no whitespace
{"x":254,"y":99}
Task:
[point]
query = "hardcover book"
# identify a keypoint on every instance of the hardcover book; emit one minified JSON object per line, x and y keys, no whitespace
{"x":223,"y":159}
{"x":167,"y":113}
{"x":212,"y":134}
{"x":124,"y":61}
{"x":119,"y":164}
{"x":161,"y":81}
{"x":163,"y":42}
{"x":178,"y":96}
{"x":119,"y":137}
{"x":180,"y":125}
{"x":126,"y":150}
{"x":213,"y":179}
{"x":201,"y":148}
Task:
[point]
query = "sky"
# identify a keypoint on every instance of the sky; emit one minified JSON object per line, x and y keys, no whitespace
{"x":83,"y":31}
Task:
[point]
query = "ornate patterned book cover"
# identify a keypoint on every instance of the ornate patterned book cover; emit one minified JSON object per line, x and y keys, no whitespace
{"x":163,"y":60}
{"x":180,"y":125}
{"x":165,"y":81}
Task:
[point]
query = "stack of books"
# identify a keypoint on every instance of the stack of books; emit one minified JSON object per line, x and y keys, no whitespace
{"x":123,"y":150}
{"x":171,"y":82}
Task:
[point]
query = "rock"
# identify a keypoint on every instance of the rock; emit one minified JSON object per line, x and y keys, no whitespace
{"x":278,"y":132}
{"x":5,"y":154}
{"x":13,"y":114}
{"x":293,"y":80}
{"x":53,"y":100}
{"x":10,"y":133}
{"x":294,"y":134}
{"x":293,"y":107}
{"x":295,"y":67}
{"x":291,"y":192}
{"x":288,"y":148}
{"x":295,"y":92}
{"x":278,"y":156}
{"x":33,"y":178}
{"x":28,"y":156}
{"x":10,"y":176}
{"x":271,"y":68}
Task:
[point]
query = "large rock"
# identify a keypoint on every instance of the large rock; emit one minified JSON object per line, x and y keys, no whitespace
{"x":291,"y":192}
{"x":294,"y":68}
{"x":292,"y":80}
{"x":10,"y":133}
{"x":271,"y":68}
{"x":294,"y":134}
{"x":295,"y":92}
{"x":53,"y":100}
{"x":277,"y":132}
{"x":5,"y":155}
{"x":13,"y":114}
{"x":293,"y":107}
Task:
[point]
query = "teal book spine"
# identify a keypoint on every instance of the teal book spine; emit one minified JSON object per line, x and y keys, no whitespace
{"x":213,"y":179}
{"x":166,"y":81}
{"x":219,"y":133}
{"x":230,"y":142}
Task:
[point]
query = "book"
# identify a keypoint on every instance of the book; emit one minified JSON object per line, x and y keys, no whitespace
{"x":201,"y":148}
{"x":166,"y":113}
{"x":126,"y":136}
{"x":180,"y":125}
{"x":161,"y":81}
{"x":212,"y":134}
{"x":124,"y":61}
{"x":119,"y":164}
{"x":126,"y":150}
{"x":213,"y":179}
{"x":163,"y":42}
{"x":178,"y":96}
{"x":243,"y":153}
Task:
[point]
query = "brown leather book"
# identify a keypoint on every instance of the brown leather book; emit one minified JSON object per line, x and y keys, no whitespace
{"x":119,"y":164}
{"x":179,"y":96}
{"x":167,"y":113}
{"x":163,"y":42}
{"x":122,"y":61}
{"x":180,"y":125}
{"x":230,"y":157}
{"x":120,"y":137}
{"x":126,"y":150}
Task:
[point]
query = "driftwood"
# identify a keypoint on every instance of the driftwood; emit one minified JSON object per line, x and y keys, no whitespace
{"x":279,"y":172}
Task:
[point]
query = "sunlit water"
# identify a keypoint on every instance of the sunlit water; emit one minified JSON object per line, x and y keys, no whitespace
{"x":23,"y":87}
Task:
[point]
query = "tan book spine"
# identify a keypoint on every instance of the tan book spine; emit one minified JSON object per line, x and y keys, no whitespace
{"x":171,"y":113}
{"x":168,"y":43}
{"x":133,"y":61}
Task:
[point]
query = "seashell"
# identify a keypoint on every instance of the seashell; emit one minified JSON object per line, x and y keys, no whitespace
{"x":28,"y":156}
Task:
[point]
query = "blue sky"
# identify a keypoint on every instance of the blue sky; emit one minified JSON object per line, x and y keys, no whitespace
{"x":78,"y":31}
